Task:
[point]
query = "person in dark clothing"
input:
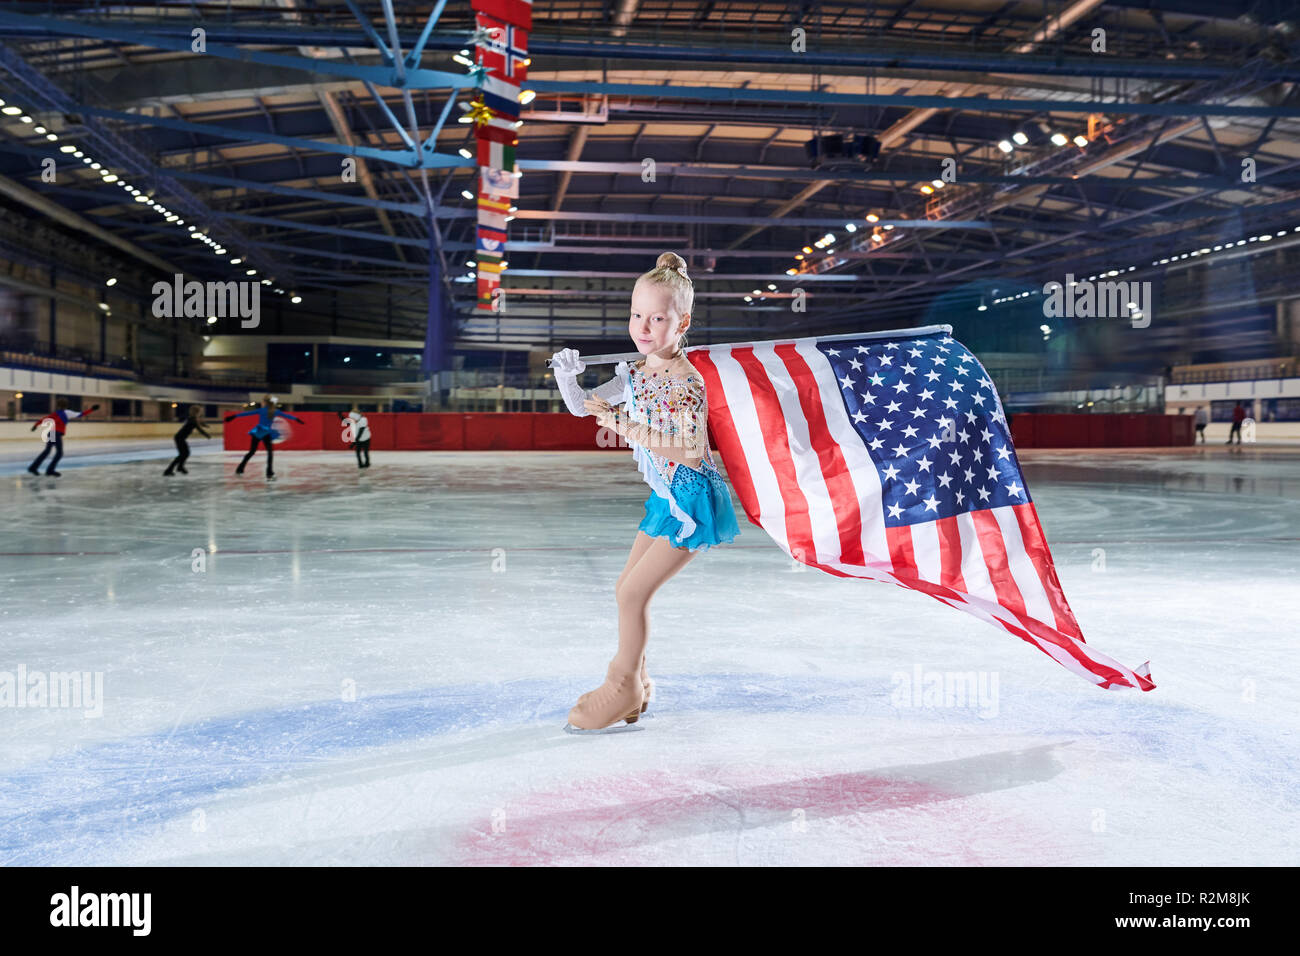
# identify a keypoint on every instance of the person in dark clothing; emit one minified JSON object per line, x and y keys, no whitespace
{"x":60,"y":419}
{"x":192,"y":422}
{"x":1238,"y":416}
{"x":262,"y":432}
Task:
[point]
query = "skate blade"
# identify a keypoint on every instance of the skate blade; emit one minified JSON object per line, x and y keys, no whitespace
{"x":613,"y":729}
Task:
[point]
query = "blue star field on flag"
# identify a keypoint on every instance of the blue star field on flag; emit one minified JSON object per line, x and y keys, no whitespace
{"x":932,"y":423}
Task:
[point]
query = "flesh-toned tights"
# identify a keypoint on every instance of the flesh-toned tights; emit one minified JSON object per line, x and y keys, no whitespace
{"x":651,"y":562}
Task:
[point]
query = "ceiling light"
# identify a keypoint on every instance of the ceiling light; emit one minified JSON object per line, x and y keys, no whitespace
{"x":1020,"y":138}
{"x":296,"y":299}
{"x":1081,"y":141}
{"x":11,"y":111}
{"x":872,"y":217}
{"x":1005,"y":146}
{"x":1059,"y":139}
{"x":467,"y":194}
{"x":111,"y":282}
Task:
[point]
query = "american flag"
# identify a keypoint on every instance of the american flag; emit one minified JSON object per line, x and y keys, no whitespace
{"x":889,"y":458}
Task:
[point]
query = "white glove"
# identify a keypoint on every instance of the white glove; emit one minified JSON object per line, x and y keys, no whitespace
{"x":567,"y":366}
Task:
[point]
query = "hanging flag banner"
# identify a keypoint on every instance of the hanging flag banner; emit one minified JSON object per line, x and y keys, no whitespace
{"x":501,"y":44}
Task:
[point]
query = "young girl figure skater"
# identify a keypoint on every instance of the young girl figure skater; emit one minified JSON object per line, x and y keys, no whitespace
{"x":194,"y":420}
{"x":664,"y":417}
{"x":262,"y":432}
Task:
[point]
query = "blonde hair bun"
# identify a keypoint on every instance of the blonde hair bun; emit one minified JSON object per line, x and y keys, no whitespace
{"x":671,"y":260}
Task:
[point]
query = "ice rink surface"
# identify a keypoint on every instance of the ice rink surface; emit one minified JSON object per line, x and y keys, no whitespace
{"x":374,"y":668}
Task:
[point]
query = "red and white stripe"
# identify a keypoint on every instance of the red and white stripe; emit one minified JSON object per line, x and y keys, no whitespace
{"x":803,"y":474}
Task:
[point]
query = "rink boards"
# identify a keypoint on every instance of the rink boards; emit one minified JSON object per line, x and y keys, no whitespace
{"x":550,"y":431}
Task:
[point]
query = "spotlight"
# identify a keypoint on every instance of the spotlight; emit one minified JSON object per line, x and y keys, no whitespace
{"x":1005,"y":146}
{"x":467,"y":194}
{"x":111,"y":282}
{"x":1020,"y":138}
{"x":1059,"y":139}
{"x":1081,"y":141}
{"x":296,"y":299}
{"x":872,"y":217}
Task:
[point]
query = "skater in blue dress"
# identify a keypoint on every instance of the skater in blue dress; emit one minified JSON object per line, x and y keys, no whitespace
{"x":262,"y":432}
{"x":663,"y":415}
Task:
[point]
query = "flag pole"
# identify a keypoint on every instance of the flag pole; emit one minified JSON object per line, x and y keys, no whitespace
{"x":883,"y":334}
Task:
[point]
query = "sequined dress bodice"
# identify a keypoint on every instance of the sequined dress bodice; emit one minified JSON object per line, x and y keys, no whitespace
{"x":673,"y":402}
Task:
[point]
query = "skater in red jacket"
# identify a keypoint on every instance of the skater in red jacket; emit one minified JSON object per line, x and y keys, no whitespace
{"x":60,"y":418}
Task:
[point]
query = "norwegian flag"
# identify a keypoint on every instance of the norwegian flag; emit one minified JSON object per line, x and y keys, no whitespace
{"x":889,"y":458}
{"x":506,"y":55}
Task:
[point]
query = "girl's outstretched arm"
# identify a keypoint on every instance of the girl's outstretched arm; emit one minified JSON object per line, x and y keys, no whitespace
{"x":567,"y":366}
{"x":294,"y":417}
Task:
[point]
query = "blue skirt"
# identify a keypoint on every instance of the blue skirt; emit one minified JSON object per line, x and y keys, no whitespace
{"x":705,"y":497}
